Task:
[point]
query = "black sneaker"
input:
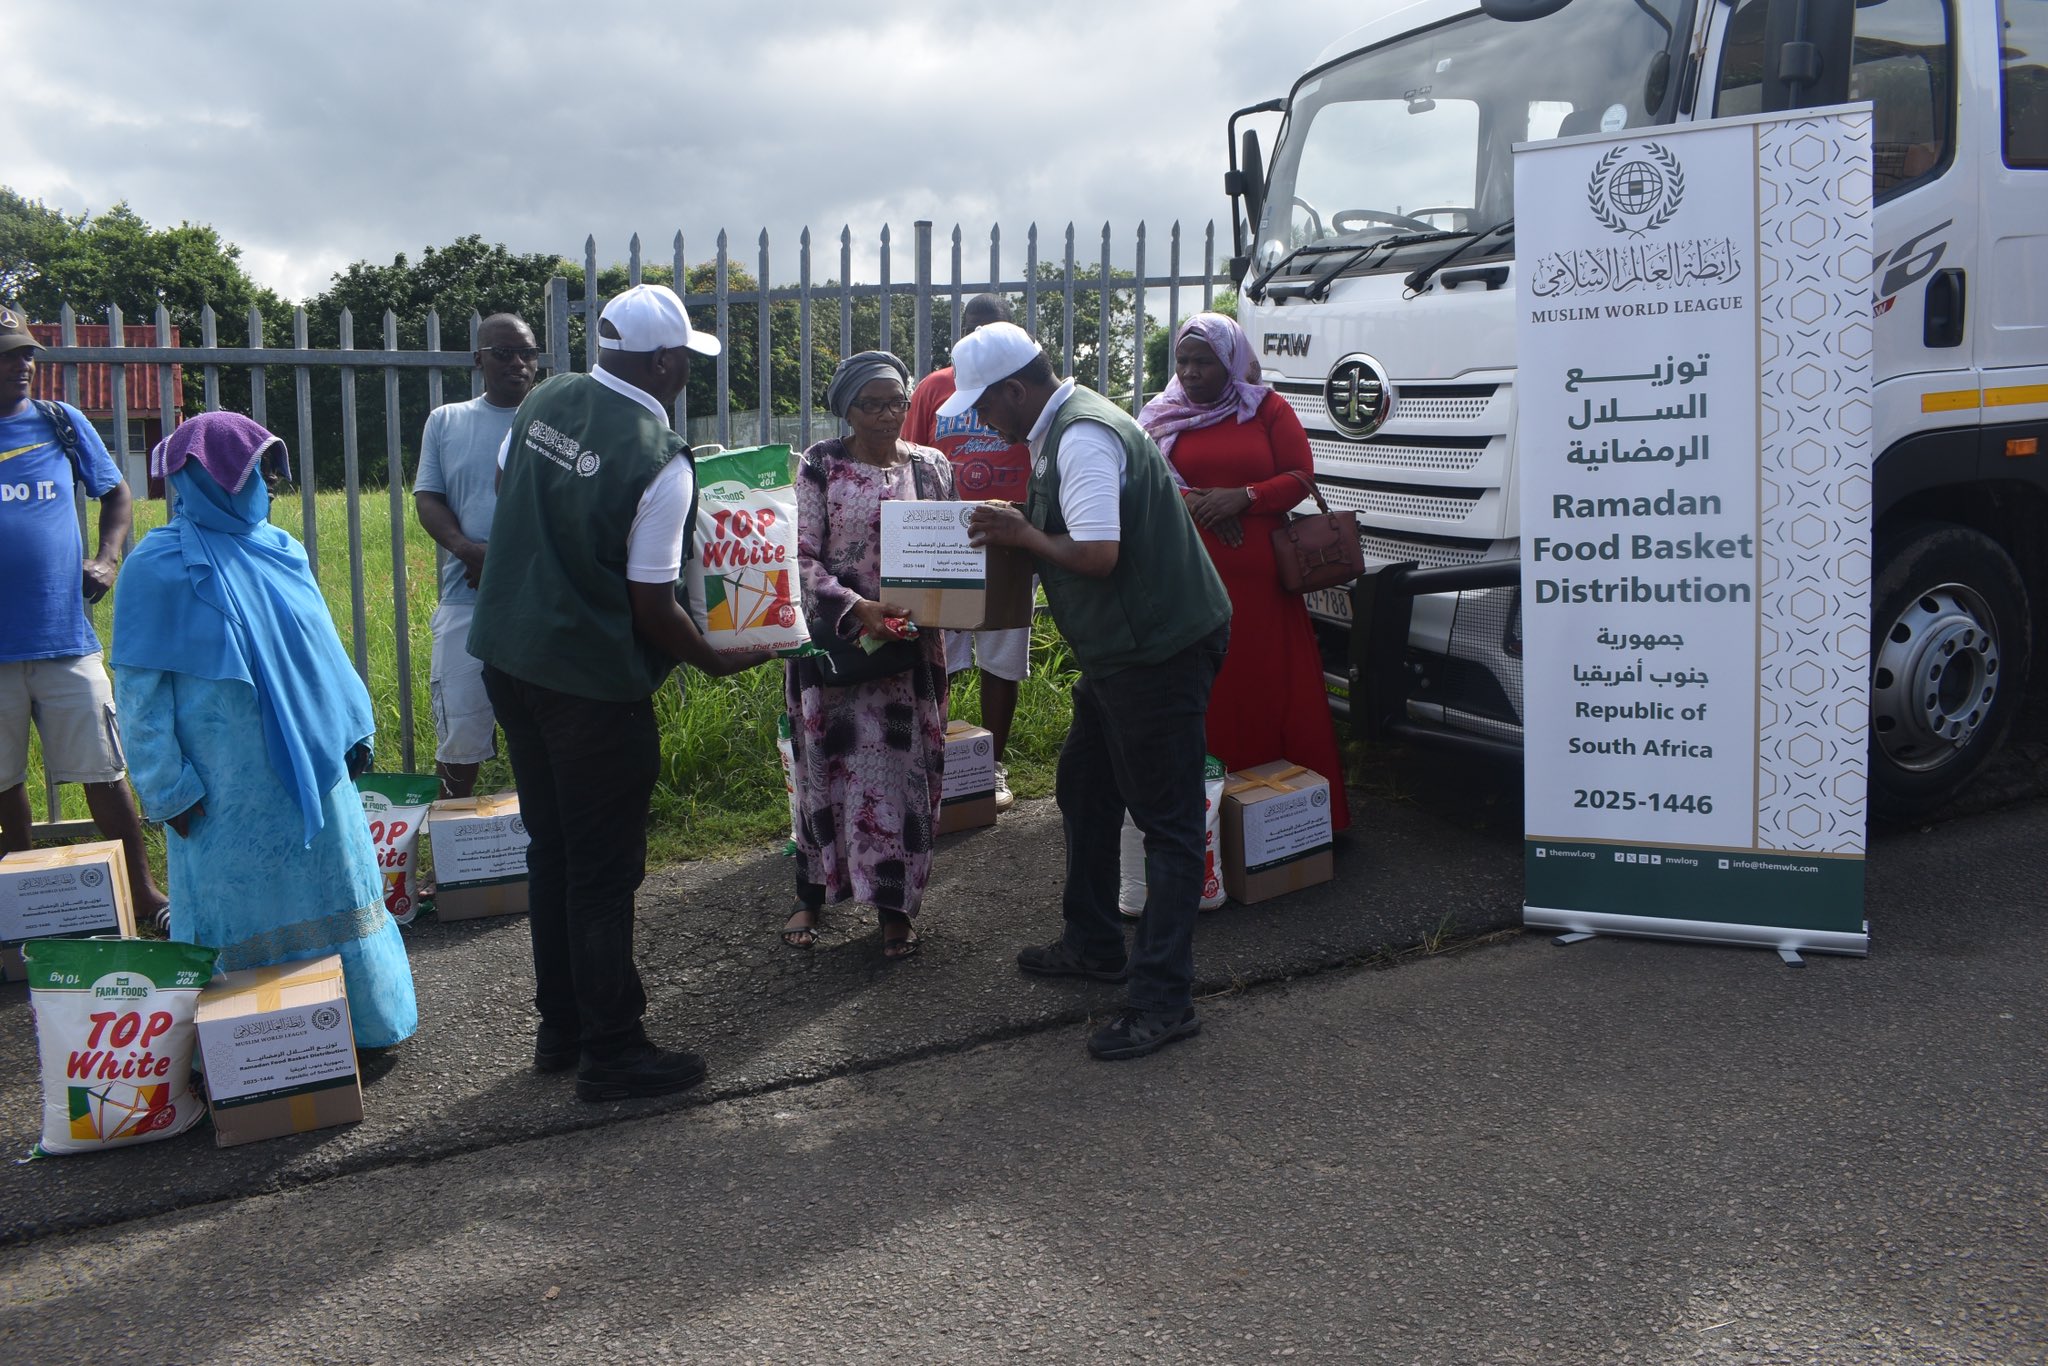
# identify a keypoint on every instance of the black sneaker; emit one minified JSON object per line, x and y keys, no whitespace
{"x":640,"y":1069}
{"x":1135,"y":1033}
{"x":1057,"y":960}
{"x":555,"y":1049}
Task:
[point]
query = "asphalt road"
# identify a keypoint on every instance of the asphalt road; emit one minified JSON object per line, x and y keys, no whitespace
{"x":1619,"y":1151}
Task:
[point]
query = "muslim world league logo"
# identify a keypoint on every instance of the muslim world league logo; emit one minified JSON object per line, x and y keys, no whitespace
{"x":1635,"y":188}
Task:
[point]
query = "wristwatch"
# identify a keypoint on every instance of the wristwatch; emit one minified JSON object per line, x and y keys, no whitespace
{"x":1251,"y":497}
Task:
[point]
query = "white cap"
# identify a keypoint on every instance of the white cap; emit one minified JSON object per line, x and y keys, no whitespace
{"x":652,"y":318}
{"x":988,"y":354}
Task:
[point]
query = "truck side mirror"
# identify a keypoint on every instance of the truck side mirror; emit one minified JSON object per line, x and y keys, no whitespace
{"x":1807,"y":47}
{"x":1254,"y":179}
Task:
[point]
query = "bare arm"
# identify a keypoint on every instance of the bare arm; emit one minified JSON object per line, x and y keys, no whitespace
{"x":441,"y":523}
{"x":117,"y":516}
{"x":661,"y":621}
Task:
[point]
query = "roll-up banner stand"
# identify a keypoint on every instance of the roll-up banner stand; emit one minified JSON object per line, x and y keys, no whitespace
{"x":1693,"y":421}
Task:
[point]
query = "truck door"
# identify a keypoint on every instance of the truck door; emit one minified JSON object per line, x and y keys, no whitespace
{"x":2012,"y":321}
{"x":1925,"y":282}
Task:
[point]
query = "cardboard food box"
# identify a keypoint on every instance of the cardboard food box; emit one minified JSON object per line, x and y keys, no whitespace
{"x":968,"y":798}
{"x":929,"y":569}
{"x":66,"y":892}
{"x":479,"y":846}
{"x":278,"y":1051}
{"x":1276,"y":831}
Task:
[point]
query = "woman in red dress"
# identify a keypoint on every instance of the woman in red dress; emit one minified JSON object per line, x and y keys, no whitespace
{"x":1244,"y":460}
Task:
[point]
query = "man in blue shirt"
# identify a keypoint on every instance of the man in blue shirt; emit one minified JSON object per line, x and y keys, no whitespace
{"x":455,"y":493}
{"x":50,"y":668}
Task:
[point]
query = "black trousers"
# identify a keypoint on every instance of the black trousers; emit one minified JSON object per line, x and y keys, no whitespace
{"x":1137,"y":743}
{"x":585,"y":770}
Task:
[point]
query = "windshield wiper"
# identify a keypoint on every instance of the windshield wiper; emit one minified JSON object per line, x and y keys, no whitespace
{"x":1422,"y":275}
{"x":1257,"y":287}
{"x":1319,"y":287}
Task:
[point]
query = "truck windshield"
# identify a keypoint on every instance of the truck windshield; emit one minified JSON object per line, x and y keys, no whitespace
{"x":1413,"y":138}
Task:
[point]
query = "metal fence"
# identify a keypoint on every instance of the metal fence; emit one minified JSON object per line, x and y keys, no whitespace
{"x":817,"y":301}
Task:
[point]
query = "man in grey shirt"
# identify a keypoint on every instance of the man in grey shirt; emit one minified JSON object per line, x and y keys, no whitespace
{"x":455,"y":494}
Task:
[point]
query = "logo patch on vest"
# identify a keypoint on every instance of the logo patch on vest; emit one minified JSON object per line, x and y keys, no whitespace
{"x":561,"y":448}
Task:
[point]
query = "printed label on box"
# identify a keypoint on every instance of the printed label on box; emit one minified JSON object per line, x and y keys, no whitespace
{"x":55,"y":902}
{"x":924,"y":545}
{"x":482,"y":850}
{"x":251,"y":1058}
{"x":970,"y":766}
{"x":1285,"y":827}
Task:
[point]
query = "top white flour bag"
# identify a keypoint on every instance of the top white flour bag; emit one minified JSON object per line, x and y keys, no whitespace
{"x":742,"y":576}
{"x":115,"y":1035}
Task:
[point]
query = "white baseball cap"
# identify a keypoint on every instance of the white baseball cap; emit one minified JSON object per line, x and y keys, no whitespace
{"x":990,"y":353}
{"x":652,"y":318}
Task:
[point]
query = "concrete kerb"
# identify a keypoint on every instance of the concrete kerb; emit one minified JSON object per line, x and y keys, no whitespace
{"x":767,"y":1017}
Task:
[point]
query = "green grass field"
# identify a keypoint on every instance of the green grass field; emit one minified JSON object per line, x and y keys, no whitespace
{"x":721,"y":785}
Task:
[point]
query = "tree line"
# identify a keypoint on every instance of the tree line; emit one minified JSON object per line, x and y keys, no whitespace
{"x":49,"y":258}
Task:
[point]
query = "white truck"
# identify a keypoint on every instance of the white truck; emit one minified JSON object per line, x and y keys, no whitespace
{"x":1378,"y":280}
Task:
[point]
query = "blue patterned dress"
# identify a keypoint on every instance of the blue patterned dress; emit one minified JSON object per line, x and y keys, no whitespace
{"x":244,"y":881}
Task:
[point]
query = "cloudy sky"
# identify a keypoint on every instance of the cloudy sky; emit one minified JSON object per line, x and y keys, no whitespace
{"x":318,"y":134}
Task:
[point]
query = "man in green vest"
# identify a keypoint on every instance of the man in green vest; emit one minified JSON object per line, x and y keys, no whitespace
{"x":1133,"y":591}
{"x":578,"y":625}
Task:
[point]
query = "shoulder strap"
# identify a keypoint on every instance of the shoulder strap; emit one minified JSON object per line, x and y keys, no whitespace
{"x":925,"y":477}
{"x":59,"y":419}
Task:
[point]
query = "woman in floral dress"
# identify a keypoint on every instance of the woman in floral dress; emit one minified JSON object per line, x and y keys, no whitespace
{"x":870,"y":756}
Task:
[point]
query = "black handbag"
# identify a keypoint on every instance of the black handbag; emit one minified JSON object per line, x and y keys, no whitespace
{"x":843,"y":663}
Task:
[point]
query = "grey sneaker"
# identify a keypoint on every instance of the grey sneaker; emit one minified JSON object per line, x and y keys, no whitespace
{"x":1135,"y":1033}
{"x":1005,"y":799}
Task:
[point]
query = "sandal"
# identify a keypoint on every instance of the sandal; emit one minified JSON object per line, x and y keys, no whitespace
{"x":162,"y":920}
{"x":802,"y":936}
{"x":896,"y":948}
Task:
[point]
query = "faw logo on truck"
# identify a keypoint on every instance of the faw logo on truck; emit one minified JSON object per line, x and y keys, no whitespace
{"x":1358,"y":395}
{"x":1286,"y":343}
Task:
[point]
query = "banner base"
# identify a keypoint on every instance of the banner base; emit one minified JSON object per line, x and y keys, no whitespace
{"x":1576,"y":923}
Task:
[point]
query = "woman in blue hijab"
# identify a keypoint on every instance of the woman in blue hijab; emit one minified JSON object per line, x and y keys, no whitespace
{"x":244,"y":727}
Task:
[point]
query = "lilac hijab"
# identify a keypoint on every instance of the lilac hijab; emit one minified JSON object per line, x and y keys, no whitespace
{"x":1173,"y":412}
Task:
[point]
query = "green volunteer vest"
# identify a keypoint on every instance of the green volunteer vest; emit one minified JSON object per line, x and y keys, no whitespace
{"x":552,"y":608}
{"x":1163,"y":595}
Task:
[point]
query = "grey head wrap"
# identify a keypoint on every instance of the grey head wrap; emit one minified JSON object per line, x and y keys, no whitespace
{"x":855,"y":373}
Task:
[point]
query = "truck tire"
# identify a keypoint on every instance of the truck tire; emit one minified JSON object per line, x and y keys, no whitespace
{"x":1951,"y":642}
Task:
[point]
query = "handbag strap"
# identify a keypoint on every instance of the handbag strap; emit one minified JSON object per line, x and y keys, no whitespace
{"x":925,"y":478}
{"x":1310,"y":485}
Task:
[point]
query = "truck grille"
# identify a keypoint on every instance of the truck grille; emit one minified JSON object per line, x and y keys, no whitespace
{"x":1361,"y":457}
{"x":1381,"y":549}
{"x":1418,"y":402}
{"x":1437,"y":507}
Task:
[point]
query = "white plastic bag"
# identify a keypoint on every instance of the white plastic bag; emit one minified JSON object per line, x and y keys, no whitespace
{"x":1130,"y":894}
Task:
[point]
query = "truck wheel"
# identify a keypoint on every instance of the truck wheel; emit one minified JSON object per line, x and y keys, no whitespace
{"x":1950,"y":648}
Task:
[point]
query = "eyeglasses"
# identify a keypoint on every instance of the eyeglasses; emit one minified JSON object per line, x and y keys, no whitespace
{"x":508,"y":354}
{"x":875,"y":407}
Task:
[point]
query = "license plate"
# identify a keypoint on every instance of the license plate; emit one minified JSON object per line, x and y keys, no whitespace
{"x":1334,"y":603}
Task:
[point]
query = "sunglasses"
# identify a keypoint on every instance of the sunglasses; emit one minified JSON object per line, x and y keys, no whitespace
{"x":509,"y":354}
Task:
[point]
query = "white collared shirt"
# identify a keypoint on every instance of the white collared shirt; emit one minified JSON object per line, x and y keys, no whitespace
{"x":1091,"y":471}
{"x":654,"y":545}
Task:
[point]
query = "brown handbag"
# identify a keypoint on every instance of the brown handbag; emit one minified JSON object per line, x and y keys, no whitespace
{"x":1320,"y":550}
